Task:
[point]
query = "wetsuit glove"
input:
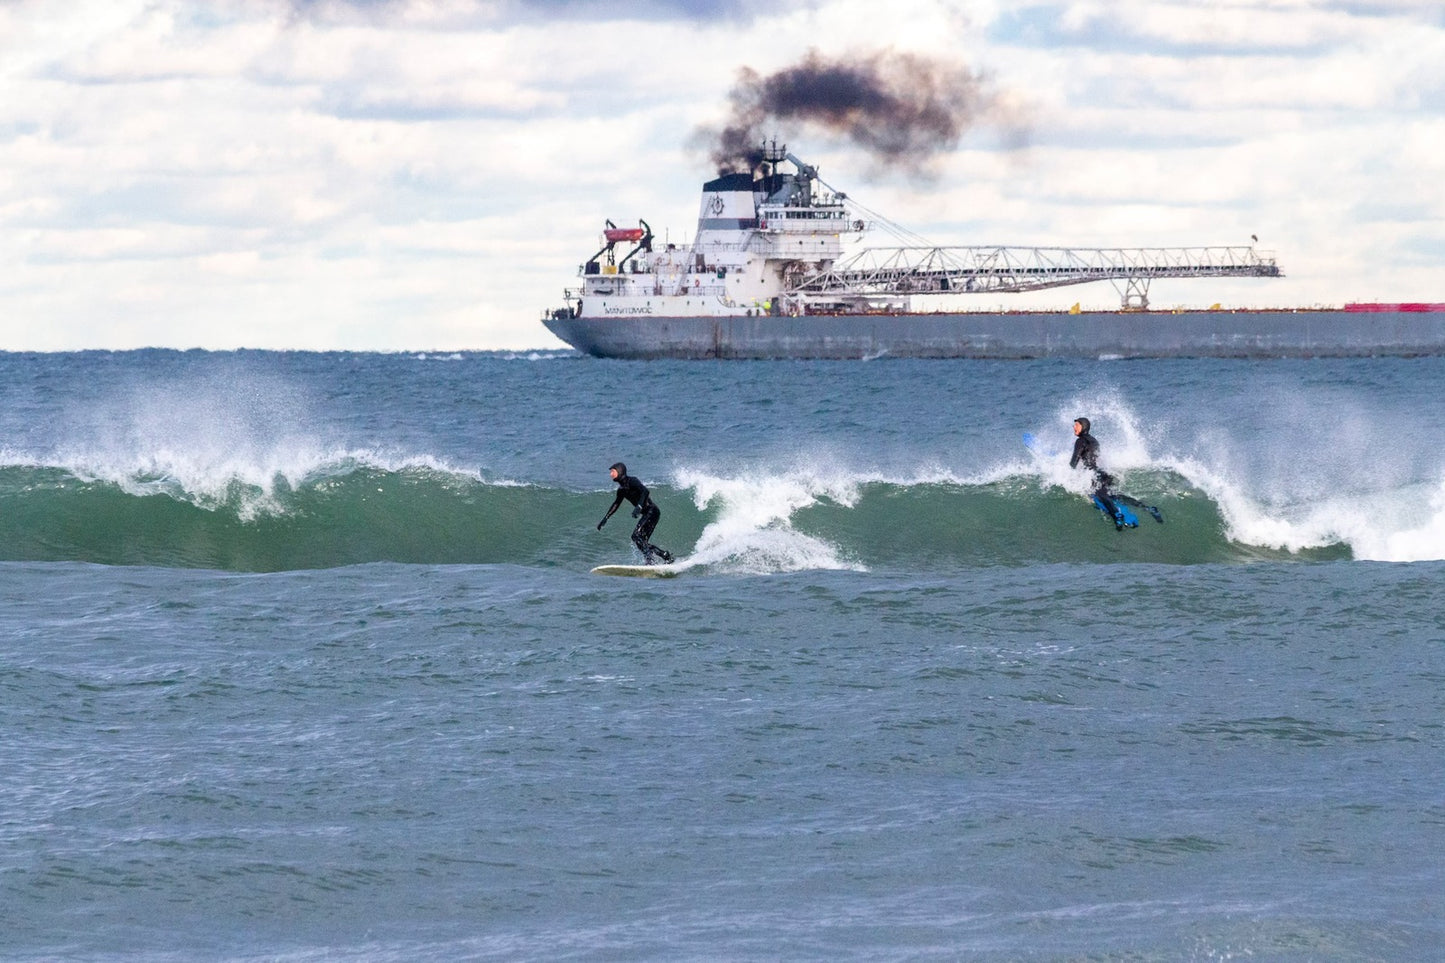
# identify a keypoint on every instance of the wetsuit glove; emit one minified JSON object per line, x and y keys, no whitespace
{"x":600,"y":524}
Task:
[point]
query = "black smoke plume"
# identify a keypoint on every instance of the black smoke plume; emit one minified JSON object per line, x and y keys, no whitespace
{"x":903,"y":109}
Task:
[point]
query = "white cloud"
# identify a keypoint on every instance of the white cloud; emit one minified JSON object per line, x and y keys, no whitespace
{"x":408,"y":174}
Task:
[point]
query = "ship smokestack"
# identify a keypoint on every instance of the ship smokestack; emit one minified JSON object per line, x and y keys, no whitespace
{"x":903,"y":109}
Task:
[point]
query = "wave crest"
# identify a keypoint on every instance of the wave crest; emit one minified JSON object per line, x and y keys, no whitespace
{"x":354,"y":507}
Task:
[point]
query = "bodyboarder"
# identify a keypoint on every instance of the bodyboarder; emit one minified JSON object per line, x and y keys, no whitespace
{"x":1086,"y":450}
{"x":643,"y":510}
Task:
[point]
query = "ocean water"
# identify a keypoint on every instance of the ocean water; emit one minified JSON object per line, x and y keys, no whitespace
{"x":301,"y":659}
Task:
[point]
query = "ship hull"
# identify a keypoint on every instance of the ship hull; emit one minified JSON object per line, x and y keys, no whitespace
{"x":1304,"y":333}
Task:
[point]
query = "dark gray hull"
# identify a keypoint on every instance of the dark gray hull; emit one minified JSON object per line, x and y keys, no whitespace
{"x":1305,"y":333}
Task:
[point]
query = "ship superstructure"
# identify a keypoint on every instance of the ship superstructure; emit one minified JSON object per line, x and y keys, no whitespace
{"x":772,"y":242}
{"x":758,"y":236}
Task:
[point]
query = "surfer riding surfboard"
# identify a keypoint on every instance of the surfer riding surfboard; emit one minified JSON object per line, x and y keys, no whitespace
{"x":631,"y":489}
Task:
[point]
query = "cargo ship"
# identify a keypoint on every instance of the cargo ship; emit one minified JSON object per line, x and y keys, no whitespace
{"x":766,"y":276}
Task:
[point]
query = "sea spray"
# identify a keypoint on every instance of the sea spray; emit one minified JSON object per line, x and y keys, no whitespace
{"x":261,"y":463}
{"x":753,"y":530}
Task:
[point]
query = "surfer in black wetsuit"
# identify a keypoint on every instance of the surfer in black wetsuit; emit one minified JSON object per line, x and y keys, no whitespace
{"x":1086,"y":450}
{"x":643,"y":510}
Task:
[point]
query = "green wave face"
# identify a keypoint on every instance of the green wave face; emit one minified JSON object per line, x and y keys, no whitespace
{"x":347,"y":514}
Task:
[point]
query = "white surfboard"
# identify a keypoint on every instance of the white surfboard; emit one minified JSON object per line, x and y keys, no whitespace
{"x":638,"y":571}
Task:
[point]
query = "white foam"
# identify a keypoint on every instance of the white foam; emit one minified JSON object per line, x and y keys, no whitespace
{"x":1309,"y":484}
{"x":1126,"y":447}
{"x":1418,"y":536}
{"x":240,"y":442}
{"x":753,"y":532}
{"x":1389,"y":525}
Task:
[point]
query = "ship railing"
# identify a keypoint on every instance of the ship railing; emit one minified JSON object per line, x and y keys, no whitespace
{"x":711,"y":247}
{"x":711,"y":288}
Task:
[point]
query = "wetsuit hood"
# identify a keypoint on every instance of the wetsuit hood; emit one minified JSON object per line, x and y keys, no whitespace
{"x":1084,"y":422}
{"x":620,"y":468}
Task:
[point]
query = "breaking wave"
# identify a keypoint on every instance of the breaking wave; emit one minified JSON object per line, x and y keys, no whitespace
{"x":323,"y":509}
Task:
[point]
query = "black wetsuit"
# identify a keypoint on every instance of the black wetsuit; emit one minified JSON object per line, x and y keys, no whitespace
{"x":644,"y":511}
{"x":1086,"y":450}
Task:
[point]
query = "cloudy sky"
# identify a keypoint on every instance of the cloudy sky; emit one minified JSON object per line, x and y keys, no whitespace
{"x":428,"y":174}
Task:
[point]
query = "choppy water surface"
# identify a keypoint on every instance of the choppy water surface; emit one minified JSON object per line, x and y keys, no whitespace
{"x":300,"y":658}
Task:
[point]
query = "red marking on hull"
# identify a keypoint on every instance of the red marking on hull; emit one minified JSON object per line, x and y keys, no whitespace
{"x":1414,"y":307}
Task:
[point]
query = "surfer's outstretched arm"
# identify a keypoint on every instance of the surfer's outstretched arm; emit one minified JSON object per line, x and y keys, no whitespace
{"x":617,"y":501}
{"x":618,"y":471}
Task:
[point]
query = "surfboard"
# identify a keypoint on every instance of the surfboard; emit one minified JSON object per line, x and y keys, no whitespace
{"x":638,"y":571}
{"x":1035,"y":446}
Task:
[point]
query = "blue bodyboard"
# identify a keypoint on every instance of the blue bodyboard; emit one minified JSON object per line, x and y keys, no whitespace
{"x":1033,"y":445}
{"x":1125,"y":518}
